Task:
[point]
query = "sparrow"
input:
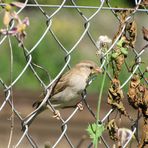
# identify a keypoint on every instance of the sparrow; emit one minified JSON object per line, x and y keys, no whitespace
{"x":69,"y":87}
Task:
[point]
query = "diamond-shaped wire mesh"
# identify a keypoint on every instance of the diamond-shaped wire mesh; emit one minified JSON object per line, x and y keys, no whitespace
{"x":83,"y":27}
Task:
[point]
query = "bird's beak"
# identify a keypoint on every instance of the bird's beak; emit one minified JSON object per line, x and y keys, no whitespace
{"x":97,"y":70}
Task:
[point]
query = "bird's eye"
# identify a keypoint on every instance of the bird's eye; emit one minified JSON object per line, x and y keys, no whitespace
{"x":91,"y":67}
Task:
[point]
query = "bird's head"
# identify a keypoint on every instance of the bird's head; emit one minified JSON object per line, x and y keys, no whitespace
{"x":89,"y":67}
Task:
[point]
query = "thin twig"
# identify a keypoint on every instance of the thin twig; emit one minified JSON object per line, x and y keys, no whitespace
{"x":11,"y":96}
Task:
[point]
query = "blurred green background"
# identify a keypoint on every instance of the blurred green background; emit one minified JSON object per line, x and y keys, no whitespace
{"x":119,"y":3}
{"x":68,"y":25}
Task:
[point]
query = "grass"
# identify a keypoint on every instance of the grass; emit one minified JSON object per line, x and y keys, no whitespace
{"x":49,"y":54}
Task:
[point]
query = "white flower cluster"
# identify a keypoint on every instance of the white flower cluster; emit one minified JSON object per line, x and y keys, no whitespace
{"x":103,"y":40}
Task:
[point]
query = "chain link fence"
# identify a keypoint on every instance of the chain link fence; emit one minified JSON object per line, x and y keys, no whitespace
{"x":121,"y":56}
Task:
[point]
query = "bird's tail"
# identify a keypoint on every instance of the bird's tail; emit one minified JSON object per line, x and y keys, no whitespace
{"x":28,"y":120}
{"x":36,"y":104}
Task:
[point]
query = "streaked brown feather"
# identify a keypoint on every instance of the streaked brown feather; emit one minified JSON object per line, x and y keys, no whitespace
{"x":63,"y":81}
{"x":59,"y":86}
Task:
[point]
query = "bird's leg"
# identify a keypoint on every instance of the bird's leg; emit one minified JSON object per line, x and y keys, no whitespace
{"x":57,"y":114}
{"x":80,"y":106}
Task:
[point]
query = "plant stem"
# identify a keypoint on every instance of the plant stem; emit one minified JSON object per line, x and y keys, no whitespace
{"x":98,"y":107}
{"x":11,"y":79}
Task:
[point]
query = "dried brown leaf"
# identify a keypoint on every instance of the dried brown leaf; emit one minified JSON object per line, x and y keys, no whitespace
{"x":119,"y":61}
{"x":145,"y":2}
{"x":144,"y":106}
{"x":119,"y":54}
{"x":112,"y":128}
{"x":115,"y":97}
{"x":131,"y":33}
{"x":123,"y":14}
{"x":132,"y":91}
{"x":144,"y":139}
{"x":115,"y":93}
{"x":145,"y":33}
{"x":145,"y":99}
{"x":138,"y":95}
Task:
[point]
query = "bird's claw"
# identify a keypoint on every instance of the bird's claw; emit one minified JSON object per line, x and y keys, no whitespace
{"x":57,"y":115}
{"x":80,"y":106}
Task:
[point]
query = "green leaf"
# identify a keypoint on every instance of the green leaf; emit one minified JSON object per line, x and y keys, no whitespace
{"x":114,"y":55}
{"x":95,"y":131}
{"x":120,"y":42}
{"x":124,"y":51}
{"x":8,"y":1}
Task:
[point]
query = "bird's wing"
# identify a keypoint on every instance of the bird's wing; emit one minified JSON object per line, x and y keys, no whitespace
{"x":62,"y":83}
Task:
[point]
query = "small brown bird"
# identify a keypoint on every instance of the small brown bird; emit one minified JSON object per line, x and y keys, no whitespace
{"x":66,"y":93}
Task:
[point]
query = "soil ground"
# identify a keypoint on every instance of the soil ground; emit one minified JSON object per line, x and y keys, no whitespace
{"x":46,"y":129}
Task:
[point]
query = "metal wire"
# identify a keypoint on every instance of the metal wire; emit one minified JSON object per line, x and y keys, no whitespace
{"x":47,"y":88}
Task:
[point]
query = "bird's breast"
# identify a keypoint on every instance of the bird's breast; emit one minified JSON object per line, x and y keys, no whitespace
{"x":67,"y":97}
{"x":78,"y":83}
{"x":71,"y":94}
